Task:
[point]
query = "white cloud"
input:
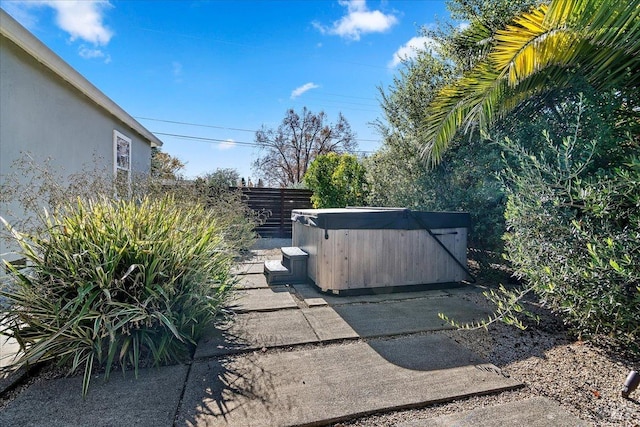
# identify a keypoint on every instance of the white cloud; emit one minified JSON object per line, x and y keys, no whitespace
{"x":88,"y":53}
{"x":82,"y":19}
{"x":227,"y":145}
{"x":358,"y":20}
{"x":91,"y":53}
{"x":411,"y":49}
{"x":302,"y":89}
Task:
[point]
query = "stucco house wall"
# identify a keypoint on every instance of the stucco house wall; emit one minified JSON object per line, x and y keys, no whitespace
{"x":50,"y":111}
{"x":47,"y":117}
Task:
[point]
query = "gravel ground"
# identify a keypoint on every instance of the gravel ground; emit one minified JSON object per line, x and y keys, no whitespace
{"x":583,"y":379}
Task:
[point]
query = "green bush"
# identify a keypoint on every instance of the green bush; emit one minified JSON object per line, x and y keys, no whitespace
{"x":32,"y":185}
{"x":465,"y":180}
{"x":573,"y":235}
{"x":337,"y":181}
{"x":230,"y":210}
{"x":128,"y":283}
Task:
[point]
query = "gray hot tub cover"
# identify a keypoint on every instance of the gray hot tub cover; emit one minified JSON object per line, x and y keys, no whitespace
{"x":379,"y":218}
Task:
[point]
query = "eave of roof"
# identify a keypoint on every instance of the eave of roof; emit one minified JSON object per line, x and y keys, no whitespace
{"x":26,"y":41}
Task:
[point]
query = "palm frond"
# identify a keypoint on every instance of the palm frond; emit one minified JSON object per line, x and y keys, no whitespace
{"x":601,"y":38}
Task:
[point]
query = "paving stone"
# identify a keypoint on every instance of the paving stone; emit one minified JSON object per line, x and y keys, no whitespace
{"x":9,"y":351}
{"x":269,"y":243}
{"x":252,"y":281}
{"x":265,"y":254}
{"x":532,"y":412}
{"x":150,"y":400}
{"x":316,"y":302}
{"x":274,"y":298}
{"x":333,"y":383}
{"x":402,"y":317}
{"x":9,"y":348}
{"x":328,"y":325}
{"x":256,"y":267}
{"x":257,"y":330}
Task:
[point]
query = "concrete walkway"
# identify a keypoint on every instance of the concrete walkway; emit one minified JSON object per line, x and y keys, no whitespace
{"x":294,"y":356}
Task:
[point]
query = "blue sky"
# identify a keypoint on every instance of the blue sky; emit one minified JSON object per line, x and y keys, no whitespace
{"x":222,"y":69}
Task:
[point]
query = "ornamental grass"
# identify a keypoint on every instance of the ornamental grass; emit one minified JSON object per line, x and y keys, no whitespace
{"x":117,"y":283}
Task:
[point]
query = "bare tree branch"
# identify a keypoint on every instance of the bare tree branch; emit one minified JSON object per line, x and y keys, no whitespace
{"x":287,"y":151}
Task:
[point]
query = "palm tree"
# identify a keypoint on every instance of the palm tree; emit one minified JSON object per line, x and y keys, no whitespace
{"x":542,"y":50}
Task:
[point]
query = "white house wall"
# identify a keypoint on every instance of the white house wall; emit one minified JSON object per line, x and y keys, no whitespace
{"x":48,"y":117}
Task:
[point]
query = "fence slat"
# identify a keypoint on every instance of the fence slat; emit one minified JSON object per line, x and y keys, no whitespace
{"x":279,"y":202}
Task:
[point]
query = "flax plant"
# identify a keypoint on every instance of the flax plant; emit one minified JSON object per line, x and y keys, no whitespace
{"x":117,"y":283}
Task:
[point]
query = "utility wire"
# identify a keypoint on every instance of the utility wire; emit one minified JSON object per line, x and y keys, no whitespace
{"x":219,"y":127}
{"x":227,"y":141}
{"x":195,"y":124}
{"x":340,"y":104}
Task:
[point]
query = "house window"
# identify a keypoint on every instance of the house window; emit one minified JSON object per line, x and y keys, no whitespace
{"x":122,"y":162}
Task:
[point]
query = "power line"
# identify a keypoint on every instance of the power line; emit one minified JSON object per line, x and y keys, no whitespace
{"x":340,"y":104}
{"x":227,"y":141}
{"x":213,"y":140}
{"x":195,"y":124}
{"x":311,"y":97}
{"x":218,"y":127}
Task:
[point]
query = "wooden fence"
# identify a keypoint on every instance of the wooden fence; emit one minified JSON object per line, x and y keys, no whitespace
{"x":276,"y":204}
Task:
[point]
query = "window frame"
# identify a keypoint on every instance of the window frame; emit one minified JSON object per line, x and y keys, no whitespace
{"x":122,"y":150}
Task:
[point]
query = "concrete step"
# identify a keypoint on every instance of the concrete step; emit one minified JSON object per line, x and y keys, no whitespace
{"x":293,"y":252}
{"x":292,"y":268}
{"x":275,"y":266}
{"x":276,"y":273}
{"x":295,"y":260}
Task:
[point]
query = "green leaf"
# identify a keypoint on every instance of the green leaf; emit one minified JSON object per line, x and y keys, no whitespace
{"x":615,"y":265}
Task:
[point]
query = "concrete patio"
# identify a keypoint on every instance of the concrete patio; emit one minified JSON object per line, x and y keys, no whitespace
{"x":294,"y":356}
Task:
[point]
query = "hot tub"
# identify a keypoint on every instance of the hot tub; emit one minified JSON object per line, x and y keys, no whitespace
{"x":359,"y":248}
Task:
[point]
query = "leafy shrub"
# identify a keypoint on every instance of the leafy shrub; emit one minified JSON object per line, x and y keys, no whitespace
{"x":33,"y":185}
{"x":573,"y":235}
{"x":465,"y":180}
{"x":337,"y":181}
{"x":126,"y":283}
{"x":230,"y":211}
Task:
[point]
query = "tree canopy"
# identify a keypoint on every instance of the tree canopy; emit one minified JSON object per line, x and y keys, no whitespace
{"x":222,"y":178}
{"x":164,"y":165}
{"x":552,"y":46}
{"x":287,"y":152}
